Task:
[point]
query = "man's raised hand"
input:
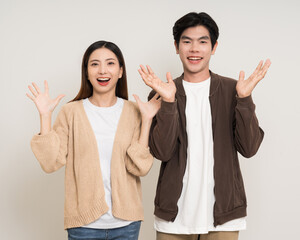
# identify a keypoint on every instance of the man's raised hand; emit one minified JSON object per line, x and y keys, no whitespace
{"x":166,"y":90}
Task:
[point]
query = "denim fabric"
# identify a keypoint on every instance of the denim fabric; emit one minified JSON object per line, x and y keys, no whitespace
{"x":130,"y":232}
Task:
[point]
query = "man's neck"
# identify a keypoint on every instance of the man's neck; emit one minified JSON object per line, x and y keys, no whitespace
{"x":196,"y":77}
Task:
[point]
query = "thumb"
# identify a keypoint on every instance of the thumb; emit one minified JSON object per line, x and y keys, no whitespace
{"x":242,"y":76}
{"x":58,"y":98}
{"x":169,"y":77}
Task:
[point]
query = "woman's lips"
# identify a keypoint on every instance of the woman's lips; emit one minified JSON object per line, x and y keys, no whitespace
{"x":103,"y":81}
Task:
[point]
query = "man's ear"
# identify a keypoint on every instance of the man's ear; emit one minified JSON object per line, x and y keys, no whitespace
{"x":214,"y":48}
{"x":176,"y":47}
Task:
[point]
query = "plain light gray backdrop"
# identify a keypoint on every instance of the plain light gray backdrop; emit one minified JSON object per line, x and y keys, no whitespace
{"x":45,"y":40}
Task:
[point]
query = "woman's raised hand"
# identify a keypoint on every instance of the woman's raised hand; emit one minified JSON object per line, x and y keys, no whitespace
{"x":148,"y":109}
{"x":166,"y":90}
{"x":42,"y":100}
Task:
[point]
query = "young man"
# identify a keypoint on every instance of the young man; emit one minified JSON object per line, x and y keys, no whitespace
{"x":204,"y":120}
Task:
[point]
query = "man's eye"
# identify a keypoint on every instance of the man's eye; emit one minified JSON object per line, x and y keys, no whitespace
{"x":203,"y":42}
{"x":186,"y":41}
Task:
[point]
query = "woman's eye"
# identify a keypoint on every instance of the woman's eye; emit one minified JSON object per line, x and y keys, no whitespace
{"x":94,"y":64}
{"x":111,"y":63}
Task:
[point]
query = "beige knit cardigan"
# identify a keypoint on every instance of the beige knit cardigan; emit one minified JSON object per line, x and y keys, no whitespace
{"x":72,"y":143}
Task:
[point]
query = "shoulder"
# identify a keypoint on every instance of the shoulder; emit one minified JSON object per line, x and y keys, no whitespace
{"x":132,"y":109}
{"x":226,"y":81}
{"x":131,"y":106}
{"x":178,"y":79}
{"x":222,"y":84}
{"x":71,"y":107}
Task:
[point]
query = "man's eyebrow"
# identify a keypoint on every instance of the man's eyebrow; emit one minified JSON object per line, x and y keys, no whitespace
{"x":185,"y":37}
{"x":201,"y":38}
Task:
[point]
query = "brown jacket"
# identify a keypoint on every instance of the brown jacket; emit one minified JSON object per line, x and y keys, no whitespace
{"x":235,"y":128}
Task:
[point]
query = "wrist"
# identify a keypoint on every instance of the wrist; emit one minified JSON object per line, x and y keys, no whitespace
{"x":146,"y":120}
{"x":172,"y":99}
{"x":46,"y":115}
{"x":243,"y":95}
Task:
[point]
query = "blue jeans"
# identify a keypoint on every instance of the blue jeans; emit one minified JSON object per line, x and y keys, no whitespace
{"x":129,"y":232}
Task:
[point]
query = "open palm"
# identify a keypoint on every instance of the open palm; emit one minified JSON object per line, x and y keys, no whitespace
{"x":166,"y":90}
{"x":244,"y":88}
{"x":149,"y":109}
{"x":42,"y":100}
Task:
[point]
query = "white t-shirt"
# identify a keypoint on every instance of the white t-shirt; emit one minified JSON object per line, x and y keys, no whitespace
{"x":104,"y":122}
{"x":195,"y":205}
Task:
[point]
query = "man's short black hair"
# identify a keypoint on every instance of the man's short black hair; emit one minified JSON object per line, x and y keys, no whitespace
{"x":194,"y":19}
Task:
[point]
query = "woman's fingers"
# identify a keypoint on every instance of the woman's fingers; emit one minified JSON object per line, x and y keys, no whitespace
{"x":29,"y":96}
{"x":136,"y":97}
{"x":36,"y":88}
{"x":46,"y":87}
{"x":58,"y":98}
{"x":32,"y":91}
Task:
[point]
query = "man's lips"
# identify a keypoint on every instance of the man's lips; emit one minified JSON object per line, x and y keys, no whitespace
{"x":103,"y":81}
{"x":194,"y":59}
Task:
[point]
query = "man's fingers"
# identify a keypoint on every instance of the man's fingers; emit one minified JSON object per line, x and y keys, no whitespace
{"x":143,"y":75}
{"x":144,"y":70}
{"x":156,"y":97}
{"x":258,"y":68}
{"x":149,"y":69}
{"x":266,"y":67}
{"x":169,"y":77}
{"x":241,"y":76}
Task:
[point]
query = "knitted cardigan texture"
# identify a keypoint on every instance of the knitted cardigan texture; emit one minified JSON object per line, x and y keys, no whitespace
{"x":72,"y":143}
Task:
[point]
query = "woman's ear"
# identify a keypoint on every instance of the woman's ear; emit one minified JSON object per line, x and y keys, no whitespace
{"x":121,"y":72}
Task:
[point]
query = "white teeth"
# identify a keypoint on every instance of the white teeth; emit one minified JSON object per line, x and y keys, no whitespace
{"x":103,"y":79}
{"x":194,"y":58}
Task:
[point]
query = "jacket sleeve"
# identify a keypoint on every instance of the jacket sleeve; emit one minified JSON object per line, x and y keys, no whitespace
{"x":164,"y":131}
{"x":248,"y":134}
{"x":51,"y":149}
{"x":138,"y":160}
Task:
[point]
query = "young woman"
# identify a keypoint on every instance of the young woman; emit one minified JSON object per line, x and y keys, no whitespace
{"x":102,"y":140}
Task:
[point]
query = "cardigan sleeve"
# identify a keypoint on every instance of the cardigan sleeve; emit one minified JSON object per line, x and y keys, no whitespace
{"x":138,"y":159}
{"x":51,"y":149}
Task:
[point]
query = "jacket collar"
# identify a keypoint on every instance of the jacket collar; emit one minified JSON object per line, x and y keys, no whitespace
{"x":214,"y":84}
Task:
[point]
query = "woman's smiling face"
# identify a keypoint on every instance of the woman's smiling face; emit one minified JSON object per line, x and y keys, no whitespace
{"x":103,"y":71}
